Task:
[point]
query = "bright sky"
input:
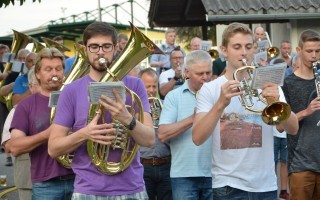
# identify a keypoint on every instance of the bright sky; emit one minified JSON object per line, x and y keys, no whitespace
{"x":32,"y":15}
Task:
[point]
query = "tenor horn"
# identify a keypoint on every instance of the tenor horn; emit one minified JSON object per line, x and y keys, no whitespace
{"x":138,"y":48}
{"x":79,"y":68}
{"x":51,"y":43}
{"x":274,"y":112}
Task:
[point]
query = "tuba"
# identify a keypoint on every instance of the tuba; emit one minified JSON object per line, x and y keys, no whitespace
{"x":20,"y":41}
{"x":51,"y":43}
{"x":79,"y":68}
{"x":37,"y":46}
{"x":274,"y":112}
{"x":156,"y":108}
{"x":138,"y":48}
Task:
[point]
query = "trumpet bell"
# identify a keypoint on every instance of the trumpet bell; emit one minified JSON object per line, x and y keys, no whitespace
{"x":276,"y":112}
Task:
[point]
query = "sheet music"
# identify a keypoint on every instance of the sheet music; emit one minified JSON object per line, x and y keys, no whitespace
{"x":18,"y":66}
{"x":272,"y":73}
{"x":205,"y":45}
{"x":263,"y":45}
{"x":8,"y":57}
{"x":258,"y":56}
{"x":96,"y":89}
{"x":53,"y":99}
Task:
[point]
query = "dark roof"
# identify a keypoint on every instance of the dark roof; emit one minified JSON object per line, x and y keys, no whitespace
{"x":261,"y":10}
{"x":178,"y":13}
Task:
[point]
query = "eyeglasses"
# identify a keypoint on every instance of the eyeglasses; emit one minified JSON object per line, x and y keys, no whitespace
{"x":177,"y":58}
{"x":95,"y":48}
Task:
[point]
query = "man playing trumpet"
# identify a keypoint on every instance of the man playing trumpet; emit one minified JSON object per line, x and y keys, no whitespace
{"x":242,"y":148}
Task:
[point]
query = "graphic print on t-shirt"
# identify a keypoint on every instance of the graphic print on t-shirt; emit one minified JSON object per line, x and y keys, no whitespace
{"x":240,"y":131}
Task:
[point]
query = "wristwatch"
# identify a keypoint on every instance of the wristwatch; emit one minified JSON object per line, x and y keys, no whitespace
{"x":175,"y":78}
{"x":132,"y":124}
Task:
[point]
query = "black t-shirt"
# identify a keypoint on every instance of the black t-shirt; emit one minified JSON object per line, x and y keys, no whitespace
{"x":11,"y":77}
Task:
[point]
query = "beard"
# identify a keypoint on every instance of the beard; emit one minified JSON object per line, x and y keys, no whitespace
{"x":99,"y":68}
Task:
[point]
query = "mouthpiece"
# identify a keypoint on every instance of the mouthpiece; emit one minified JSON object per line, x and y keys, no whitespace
{"x":102,"y":61}
{"x":55,"y":79}
{"x":244,"y":61}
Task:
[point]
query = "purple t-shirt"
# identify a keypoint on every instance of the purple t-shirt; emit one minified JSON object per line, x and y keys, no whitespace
{"x":72,"y":112}
{"x":32,"y":116}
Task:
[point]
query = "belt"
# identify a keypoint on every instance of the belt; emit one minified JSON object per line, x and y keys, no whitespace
{"x":63,"y":178}
{"x":156,"y":161}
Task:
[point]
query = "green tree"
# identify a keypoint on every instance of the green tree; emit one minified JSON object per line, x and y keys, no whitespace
{"x":5,"y":3}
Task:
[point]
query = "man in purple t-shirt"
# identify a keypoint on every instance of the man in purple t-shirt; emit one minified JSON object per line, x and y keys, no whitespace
{"x":30,"y":131}
{"x":100,"y":40}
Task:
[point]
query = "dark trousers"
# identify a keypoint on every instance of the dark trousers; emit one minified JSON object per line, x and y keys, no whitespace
{"x":158,"y":182}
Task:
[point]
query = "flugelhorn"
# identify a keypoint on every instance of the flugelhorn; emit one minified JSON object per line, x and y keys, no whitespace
{"x":156,"y":108}
{"x":316,"y":67}
{"x":138,"y":48}
{"x":274,"y":112}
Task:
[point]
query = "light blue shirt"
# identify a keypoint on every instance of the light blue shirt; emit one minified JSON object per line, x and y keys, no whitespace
{"x":188,"y":160}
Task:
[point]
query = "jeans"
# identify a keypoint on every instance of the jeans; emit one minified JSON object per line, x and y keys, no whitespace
{"x":53,"y":190}
{"x":229,"y":193}
{"x":280,"y":145}
{"x":157,"y":181}
{"x":192,"y":188}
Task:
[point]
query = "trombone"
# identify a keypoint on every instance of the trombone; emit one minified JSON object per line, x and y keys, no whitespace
{"x":272,"y":51}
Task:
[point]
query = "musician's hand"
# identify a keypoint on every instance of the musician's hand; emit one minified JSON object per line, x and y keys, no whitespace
{"x":177,"y":72}
{"x":229,"y":90}
{"x":100,"y":133}
{"x":313,"y":106}
{"x":270,"y":90}
{"x":116,"y":108}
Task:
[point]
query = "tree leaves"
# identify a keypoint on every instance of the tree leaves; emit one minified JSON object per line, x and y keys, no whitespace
{"x":5,"y":3}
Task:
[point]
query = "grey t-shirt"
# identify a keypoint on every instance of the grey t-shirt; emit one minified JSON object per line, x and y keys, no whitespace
{"x":303,"y":148}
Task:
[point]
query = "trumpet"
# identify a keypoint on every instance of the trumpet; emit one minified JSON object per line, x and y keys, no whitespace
{"x":274,"y":112}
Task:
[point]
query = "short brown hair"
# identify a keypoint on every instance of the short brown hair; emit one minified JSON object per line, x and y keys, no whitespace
{"x":149,"y":71}
{"x":232,"y":29}
{"x":48,"y":53}
{"x":308,"y":36}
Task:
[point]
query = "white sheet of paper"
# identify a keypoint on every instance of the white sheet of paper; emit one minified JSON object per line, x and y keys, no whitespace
{"x":8,"y":57}
{"x":18,"y":66}
{"x":96,"y":89}
{"x":53,"y":99}
{"x":205,"y":45}
{"x":258,"y":56}
{"x":272,"y":73}
{"x":263,"y":45}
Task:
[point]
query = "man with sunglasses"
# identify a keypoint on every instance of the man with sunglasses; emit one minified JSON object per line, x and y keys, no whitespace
{"x":100,"y":40}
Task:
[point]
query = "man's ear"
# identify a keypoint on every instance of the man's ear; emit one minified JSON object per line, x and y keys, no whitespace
{"x":298,"y":49}
{"x":224,"y":51}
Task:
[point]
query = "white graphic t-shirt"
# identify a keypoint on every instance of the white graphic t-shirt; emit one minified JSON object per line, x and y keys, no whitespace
{"x":242,"y":143}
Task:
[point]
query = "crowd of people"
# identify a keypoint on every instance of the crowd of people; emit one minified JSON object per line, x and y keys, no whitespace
{"x":202,"y":144}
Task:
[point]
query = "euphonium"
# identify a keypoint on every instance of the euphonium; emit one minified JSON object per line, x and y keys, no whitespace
{"x":274,"y":112}
{"x":79,"y":68}
{"x":19,"y":41}
{"x":156,"y":108}
{"x":138,"y":48}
